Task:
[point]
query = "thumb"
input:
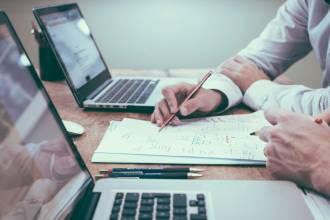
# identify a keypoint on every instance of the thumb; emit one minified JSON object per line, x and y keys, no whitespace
{"x":190,"y":106}
{"x":274,"y":115}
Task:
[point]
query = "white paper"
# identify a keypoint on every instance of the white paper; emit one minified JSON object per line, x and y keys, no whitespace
{"x":225,"y":137}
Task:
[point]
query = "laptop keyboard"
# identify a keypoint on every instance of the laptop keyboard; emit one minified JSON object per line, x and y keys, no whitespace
{"x":150,"y":206}
{"x":129,"y":91}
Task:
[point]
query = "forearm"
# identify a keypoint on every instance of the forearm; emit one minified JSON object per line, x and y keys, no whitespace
{"x":297,"y":98}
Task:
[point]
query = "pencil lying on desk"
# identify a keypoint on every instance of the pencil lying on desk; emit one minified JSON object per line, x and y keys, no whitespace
{"x":191,"y":94}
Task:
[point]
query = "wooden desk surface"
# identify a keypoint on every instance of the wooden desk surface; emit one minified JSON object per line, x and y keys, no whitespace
{"x":96,"y":124}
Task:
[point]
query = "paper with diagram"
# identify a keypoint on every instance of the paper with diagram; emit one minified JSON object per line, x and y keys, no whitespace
{"x":213,"y":137}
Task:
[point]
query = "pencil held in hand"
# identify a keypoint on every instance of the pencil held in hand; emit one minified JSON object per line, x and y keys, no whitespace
{"x":191,"y":94}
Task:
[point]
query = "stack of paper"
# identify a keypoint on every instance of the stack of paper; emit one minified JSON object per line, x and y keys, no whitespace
{"x":213,"y":140}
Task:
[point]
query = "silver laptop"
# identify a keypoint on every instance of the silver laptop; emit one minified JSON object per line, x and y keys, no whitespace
{"x":43,"y":175}
{"x":85,"y":70}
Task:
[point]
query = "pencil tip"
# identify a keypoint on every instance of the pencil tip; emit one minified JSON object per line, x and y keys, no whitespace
{"x":253,"y":133}
{"x":194,"y":175}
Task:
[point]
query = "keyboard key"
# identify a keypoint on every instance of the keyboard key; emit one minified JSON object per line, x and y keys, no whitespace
{"x":147,"y":202}
{"x":201,"y":210}
{"x":132,"y":197}
{"x":147,"y":196}
{"x":119,"y":195}
{"x":163,"y":208}
{"x":179,"y":200}
{"x":129,"y":212}
{"x":198,"y":217}
{"x":200,"y":196}
{"x":117,"y":202}
{"x":145,"y":216}
{"x":115,"y":209}
{"x":146,"y":209}
{"x":130,"y":205}
{"x":163,"y":215}
{"x":162,"y":195}
{"x":114,"y":216}
{"x":201,"y":203}
{"x":193,"y":203}
{"x":181,"y":212}
{"x":163,"y":201}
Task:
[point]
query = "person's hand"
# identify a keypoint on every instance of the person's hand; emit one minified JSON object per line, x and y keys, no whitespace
{"x":55,"y":161}
{"x":242,"y":72}
{"x":203,"y":102}
{"x":298,"y":149}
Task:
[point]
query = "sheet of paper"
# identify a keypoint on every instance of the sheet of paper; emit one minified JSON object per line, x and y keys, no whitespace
{"x":214,"y":137}
{"x":106,"y":157}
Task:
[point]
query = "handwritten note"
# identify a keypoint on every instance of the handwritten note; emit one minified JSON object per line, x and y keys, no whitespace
{"x":214,"y":137}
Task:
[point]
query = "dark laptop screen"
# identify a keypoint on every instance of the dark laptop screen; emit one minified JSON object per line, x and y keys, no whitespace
{"x":39,"y":173}
{"x":73,"y":41}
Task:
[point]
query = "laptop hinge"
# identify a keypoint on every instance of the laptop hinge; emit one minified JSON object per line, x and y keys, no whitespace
{"x":99,"y":89}
{"x":85,"y":210}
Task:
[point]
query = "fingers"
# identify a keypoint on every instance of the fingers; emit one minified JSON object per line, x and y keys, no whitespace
{"x":264,"y":133}
{"x":161,"y":113}
{"x":190,"y":106}
{"x":171,"y":93}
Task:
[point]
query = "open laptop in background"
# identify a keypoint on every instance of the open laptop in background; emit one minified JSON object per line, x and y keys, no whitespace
{"x":44,"y":177}
{"x":86,"y":71}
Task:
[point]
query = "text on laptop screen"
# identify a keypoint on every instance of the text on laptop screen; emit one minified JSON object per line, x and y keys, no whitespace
{"x":39,"y":173}
{"x":71,"y":38}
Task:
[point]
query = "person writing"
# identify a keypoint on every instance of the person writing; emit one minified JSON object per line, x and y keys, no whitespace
{"x":299,"y":27}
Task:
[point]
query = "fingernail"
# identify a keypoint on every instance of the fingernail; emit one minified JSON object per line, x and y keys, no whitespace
{"x":183,"y":111}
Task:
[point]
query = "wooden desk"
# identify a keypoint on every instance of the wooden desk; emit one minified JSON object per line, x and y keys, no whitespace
{"x":96,"y":123}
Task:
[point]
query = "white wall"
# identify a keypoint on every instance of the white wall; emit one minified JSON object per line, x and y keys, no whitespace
{"x":168,"y":33}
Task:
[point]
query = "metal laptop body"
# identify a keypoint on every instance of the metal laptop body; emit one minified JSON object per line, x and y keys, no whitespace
{"x":85,"y":69}
{"x":44,"y":177}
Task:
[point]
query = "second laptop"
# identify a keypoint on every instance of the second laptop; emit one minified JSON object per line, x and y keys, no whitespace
{"x":85,"y":69}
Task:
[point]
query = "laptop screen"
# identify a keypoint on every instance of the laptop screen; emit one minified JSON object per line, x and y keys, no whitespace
{"x":72,"y":39}
{"x":40,"y":175}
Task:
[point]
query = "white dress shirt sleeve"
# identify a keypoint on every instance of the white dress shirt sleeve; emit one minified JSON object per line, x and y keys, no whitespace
{"x":264,"y":94}
{"x":220,"y":82}
{"x":284,"y":40}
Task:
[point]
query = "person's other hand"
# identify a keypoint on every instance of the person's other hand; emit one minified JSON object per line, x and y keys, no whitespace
{"x":203,"y":102}
{"x":55,"y":161}
{"x":242,"y":72}
{"x":298,"y":149}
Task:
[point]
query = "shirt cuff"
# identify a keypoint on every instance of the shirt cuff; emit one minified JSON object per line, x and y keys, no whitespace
{"x":257,"y":94}
{"x":220,"y":82}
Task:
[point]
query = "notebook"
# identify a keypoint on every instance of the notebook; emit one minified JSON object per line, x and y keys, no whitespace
{"x":212,"y":140}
